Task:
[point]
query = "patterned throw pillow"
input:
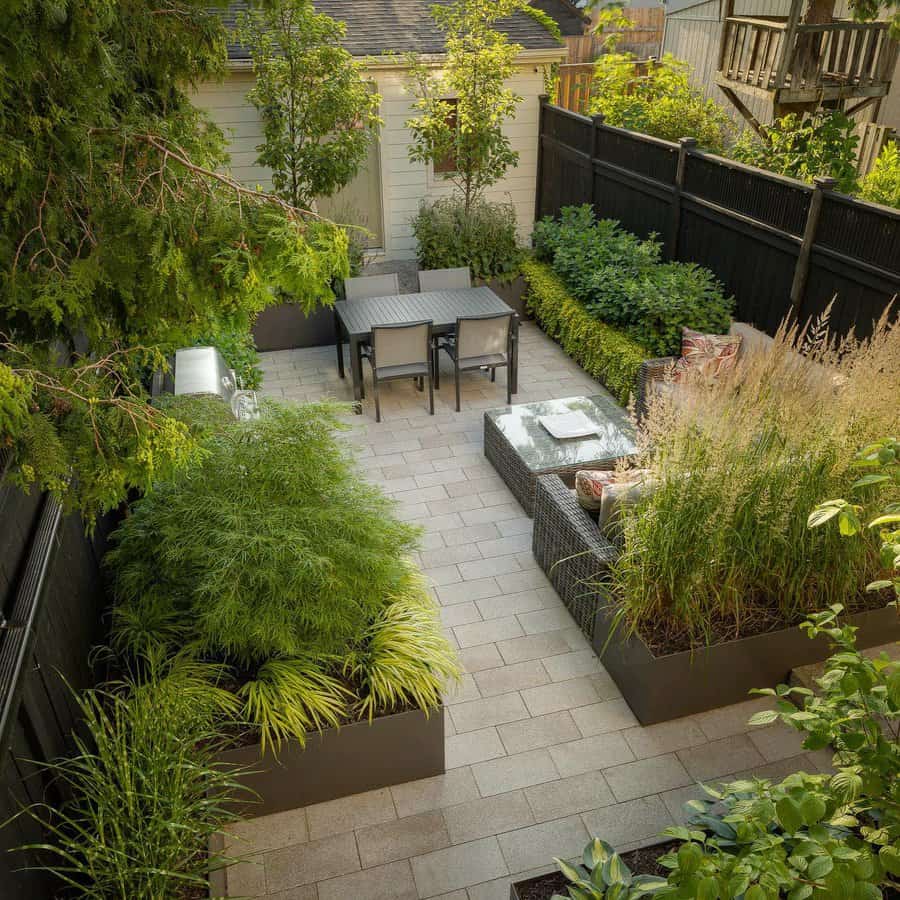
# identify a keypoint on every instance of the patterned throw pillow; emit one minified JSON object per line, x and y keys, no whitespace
{"x":589,"y":484}
{"x":707,"y":355}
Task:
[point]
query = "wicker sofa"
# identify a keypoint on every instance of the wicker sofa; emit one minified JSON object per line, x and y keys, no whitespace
{"x":569,"y":547}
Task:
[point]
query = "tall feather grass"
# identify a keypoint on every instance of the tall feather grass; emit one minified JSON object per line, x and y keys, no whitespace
{"x":143,"y":792}
{"x":721,"y":548}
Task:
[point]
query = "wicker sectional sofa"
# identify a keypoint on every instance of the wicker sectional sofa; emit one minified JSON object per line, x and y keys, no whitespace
{"x":569,"y":547}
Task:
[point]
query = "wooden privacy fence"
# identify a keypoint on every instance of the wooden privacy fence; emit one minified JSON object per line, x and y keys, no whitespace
{"x":643,"y":38}
{"x":777,"y":244}
{"x":53,"y":599}
{"x":573,"y":85}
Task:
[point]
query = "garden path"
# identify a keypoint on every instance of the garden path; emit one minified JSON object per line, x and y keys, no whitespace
{"x":542,"y":752}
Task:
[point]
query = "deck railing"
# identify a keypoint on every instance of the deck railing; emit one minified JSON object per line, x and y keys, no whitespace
{"x":807,"y":62}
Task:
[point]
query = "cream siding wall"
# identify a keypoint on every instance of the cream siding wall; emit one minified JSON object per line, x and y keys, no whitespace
{"x":404,"y":184}
{"x":692,"y":34}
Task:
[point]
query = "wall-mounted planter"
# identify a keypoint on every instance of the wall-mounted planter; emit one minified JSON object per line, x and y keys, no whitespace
{"x":341,"y":761}
{"x":659,"y":688}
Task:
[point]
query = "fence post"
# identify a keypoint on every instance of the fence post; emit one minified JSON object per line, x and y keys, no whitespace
{"x":539,"y":187}
{"x":685,"y":145}
{"x":596,"y":125}
{"x":801,"y":268}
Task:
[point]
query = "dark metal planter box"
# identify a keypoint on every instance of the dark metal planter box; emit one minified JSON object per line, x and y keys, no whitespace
{"x":511,"y":293}
{"x":519,"y":890}
{"x":285,"y":326}
{"x":358,"y":757}
{"x":659,"y":688}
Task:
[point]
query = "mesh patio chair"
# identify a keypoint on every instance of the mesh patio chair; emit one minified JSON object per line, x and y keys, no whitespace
{"x":401,"y":351}
{"x":480,"y":342}
{"x":365,"y":286}
{"x":444,"y":279}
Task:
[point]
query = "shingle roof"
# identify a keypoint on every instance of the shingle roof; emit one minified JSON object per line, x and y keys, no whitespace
{"x":375,"y":27}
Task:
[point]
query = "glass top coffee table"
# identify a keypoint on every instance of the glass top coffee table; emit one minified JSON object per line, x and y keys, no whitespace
{"x":520,"y":448}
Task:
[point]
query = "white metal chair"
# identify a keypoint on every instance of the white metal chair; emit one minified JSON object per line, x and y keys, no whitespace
{"x":444,"y":279}
{"x":401,"y":351}
{"x":480,"y":342}
{"x":365,"y":286}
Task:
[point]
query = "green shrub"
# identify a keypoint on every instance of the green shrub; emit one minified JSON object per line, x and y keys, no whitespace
{"x":271,"y":546}
{"x":882,"y":184}
{"x":805,"y":146}
{"x":662,"y":102}
{"x":235,"y":342}
{"x":601,"y":350}
{"x":482,"y":238}
{"x":720,"y":548}
{"x":144,"y":795}
{"x":619,"y":279}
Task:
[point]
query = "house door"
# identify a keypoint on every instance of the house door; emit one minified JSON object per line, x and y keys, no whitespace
{"x":359,"y":202}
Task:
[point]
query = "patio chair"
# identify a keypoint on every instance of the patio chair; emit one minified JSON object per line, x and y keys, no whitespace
{"x":365,"y":286}
{"x":480,"y":342}
{"x":401,"y":351}
{"x":444,"y":279}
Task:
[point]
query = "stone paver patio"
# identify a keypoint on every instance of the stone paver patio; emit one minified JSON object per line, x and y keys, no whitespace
{"x":542,"y":752}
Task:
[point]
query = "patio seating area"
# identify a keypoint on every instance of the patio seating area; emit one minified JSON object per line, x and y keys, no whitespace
{"x":541,"y":750}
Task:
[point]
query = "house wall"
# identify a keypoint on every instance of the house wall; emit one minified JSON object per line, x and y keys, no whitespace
{"x":404,"y":184}
{"x":692,"y":34}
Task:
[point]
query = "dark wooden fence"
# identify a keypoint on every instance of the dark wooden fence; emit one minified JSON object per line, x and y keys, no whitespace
{"x":52,"y":603}
{"x":778,"y":245}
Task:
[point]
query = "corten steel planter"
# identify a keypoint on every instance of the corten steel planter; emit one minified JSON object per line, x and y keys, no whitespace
{"x":285,"y":326}
{"x":341,"y":761}
{"x":659,"y":688}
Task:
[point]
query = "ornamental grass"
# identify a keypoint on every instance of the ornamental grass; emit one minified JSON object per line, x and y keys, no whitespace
{"x":721,"y":548}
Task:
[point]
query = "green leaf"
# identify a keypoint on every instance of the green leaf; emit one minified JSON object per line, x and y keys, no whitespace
{"x":596,"y":853}
{"x":819,"y":867}
{"x":889,"y":857}
{"x":893,"y":688}
{"x":765,"y":717}
{"x":689,"y":858}
{"x":812,"y":809}
{"x":825,"y":511}
{"x":789,"y":814}
{"x":708,"y":888}
{"x":872,"y":478}
{"x":801,"y":892}
{"x":755,"y":892}
{"x":890,"y":519}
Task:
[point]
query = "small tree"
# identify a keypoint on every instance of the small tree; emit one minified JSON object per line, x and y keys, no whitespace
{"x":461,"y":110}
{"x":319,"y":114}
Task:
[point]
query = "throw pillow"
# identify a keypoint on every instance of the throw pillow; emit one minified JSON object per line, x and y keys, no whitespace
{"x":706,"y":355}
{"x":589,"y":484}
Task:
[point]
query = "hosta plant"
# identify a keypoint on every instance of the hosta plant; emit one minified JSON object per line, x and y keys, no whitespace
{"x":604,"y":876}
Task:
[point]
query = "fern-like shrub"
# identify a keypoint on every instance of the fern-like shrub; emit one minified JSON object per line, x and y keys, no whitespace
{"x":603,"y":351}
{"x":882,"y":184}
{"x":274,"y":561}
{"x":270,"y":546}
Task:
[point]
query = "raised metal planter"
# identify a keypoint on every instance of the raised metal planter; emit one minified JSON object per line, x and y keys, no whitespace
{"x":659,"y":688}
{"x":341,"y":761}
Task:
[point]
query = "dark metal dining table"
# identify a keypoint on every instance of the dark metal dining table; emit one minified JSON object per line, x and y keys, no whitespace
{"x":354,"y":320}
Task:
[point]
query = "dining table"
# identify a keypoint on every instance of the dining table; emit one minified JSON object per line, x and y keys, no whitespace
{"x":354,"y":320}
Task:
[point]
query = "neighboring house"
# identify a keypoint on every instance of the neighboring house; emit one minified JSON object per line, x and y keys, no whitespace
{"x":387,"y":192}
{"x":738,"y":45}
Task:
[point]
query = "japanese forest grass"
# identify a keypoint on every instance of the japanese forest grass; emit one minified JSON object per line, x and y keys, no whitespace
{"x":275,"y":558}
{"x":720,"y":548}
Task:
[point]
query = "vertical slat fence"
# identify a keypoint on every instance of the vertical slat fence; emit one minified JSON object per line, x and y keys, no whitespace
{"x":775,"y":249}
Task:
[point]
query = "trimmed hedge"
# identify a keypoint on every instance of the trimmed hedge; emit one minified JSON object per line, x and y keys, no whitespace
{"x":605,"y":352}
